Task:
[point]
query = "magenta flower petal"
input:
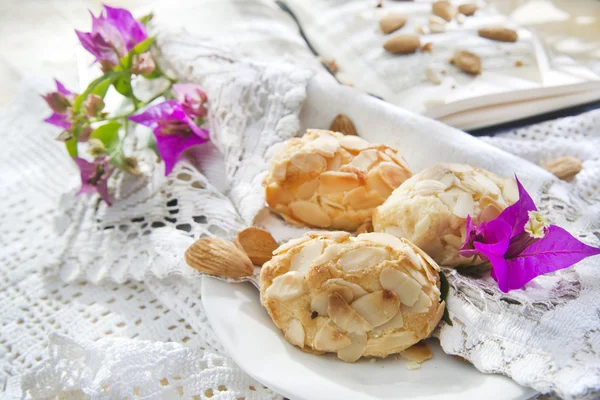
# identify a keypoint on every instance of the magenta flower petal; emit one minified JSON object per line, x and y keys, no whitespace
{"x":158,"y":117}
{"x":170,"y":147}
{"x":60,"y":120}
{"x":94,"y":176}
{"x":192,"y":98}
{"x":132,"y":31}
{"x":557,"y":250}
{"x":517,"y":215}
{"x":61,"y":88}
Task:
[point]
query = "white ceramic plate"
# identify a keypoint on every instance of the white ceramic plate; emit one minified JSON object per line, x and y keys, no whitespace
{"x":258,"y":347}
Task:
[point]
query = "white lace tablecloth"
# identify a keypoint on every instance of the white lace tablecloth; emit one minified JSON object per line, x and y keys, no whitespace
{"x":97,"y":301}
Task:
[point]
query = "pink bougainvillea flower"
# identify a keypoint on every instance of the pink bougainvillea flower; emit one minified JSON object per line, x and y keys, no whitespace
{"x":520,"y":245}
{"x":60,"y":102}
{"x":113,"y":35}
{"x":192,"y":98}
{"x":174,"y":129}
{"x":94,"y":176}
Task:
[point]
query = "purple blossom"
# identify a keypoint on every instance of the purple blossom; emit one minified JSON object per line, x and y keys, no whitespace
{"x":94,"y":176}
{"x":173,"y":128}
{"x":520,"y":245}
{"x":113,"y":35}
{"x":60,"y":102}
{"x":192,"y":98}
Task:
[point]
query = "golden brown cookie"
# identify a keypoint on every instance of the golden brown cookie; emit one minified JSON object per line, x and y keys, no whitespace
{"x":327,"y":180}
{"x":430,"y":209}
{"x":370,"y":295}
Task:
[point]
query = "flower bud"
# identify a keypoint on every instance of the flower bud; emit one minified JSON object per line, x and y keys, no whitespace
{"x":58,"y":102}
{"x":96,"y":147}
{"x":93,"y":105}
{"x":143,"y":64}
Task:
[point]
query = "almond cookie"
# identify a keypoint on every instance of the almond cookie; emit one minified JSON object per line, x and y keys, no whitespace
{"x":430,"y":209}
{"x":372,"y":295}
{"x":328,"y":180}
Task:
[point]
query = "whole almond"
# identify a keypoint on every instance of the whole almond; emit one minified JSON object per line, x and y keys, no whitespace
{"x":219,"y":257}
{"x":564,"y":168}
{"x":468,"y":62}
{"x":402,"y":44}
{"x":258,"y":244}
{"x":444,"y":10}
{"x":467,"y":9}
{"x":343,"y":124}
{"x":498,"y":33}
{"x":392,"y":22}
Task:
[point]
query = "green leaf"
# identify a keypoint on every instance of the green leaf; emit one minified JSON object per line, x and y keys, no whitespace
{"x":123,"y":85}
{"x":108,"y":134}
{"x":102,"y":88}
{"x":146,"y":18}
{"x":142,"y":46}
{"x":116,"y":159}
{"x":446,"y":316}
{"x":71,"y":146}
{"x":110,"y":76}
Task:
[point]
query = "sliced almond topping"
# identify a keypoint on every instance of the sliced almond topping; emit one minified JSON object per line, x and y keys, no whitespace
{"x":393,"y":174}
{"x":287,"y":286}
{"x":487,"y":184}
{"x":395,"y":323}
{"x":365,"y":159}
{"x":320,"y":300}
{"x":345,"y":316}
{"x":363,"y":258}
{"x":307,"y":189}
{"x":337,"y":182}
{"x":310,"y":214}
{"x":382,"y":238}
{"x":331,"y":252}
{"x":464,"y":205}
{"x":398,"y":159}
{"x":334,"y":162}
{"x":218,"y":257}
{"x":432,"y":323}
{"x":422,"y":227}
{"x":258,"y":244}
{"x":275,"y":194}
{"x":395,"y":231}
{"x":418,"y":352}
{"x":308,"y":162}
{"x":404,"y":286}
{"x":510,"y":191}
{"x":330,"y":338}
{"x":411,"y":255}
{"x":326,"y":145}
{"x":449,"y":180}
{"x":453,"y":240}
{"x":418,"y":276}
{"x":425,"y":256}
{"x":459,"y":167}
{"x":304,"y":259}
{"x":353,"y":143}
{"x":295,"y":333}
{"x":422,"y":304}
{"x":338,"y":236}
{"x":449,"y":199}
{"x":430,"y":276}
{"x":377,"y":307}
{"x":392,"y":22}
{"x":290,"y":244}
{"x":375,"y":182}
{"x":489,"y":209}
{"x":392,"y":343}
{"x":328,"y":202}
{"x":429,"y":187}
{"x":279,"y":170}
{"x":357,"y":291}
{"x":360,"y":199}
{"x":355,"y":350}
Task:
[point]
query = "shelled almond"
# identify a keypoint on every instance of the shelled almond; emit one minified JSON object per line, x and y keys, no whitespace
{"x":402,"y":44}
{"x":467,"y":61}
{"x":499,"y":33}
{"x":564,"y":168}
{"x":444,"y":9}
{"x":218,"y":257}
{"x":392,"y":22}
{"x":258,"y":244}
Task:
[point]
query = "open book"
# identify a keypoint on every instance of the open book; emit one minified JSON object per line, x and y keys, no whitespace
{"x":518,"y":80}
